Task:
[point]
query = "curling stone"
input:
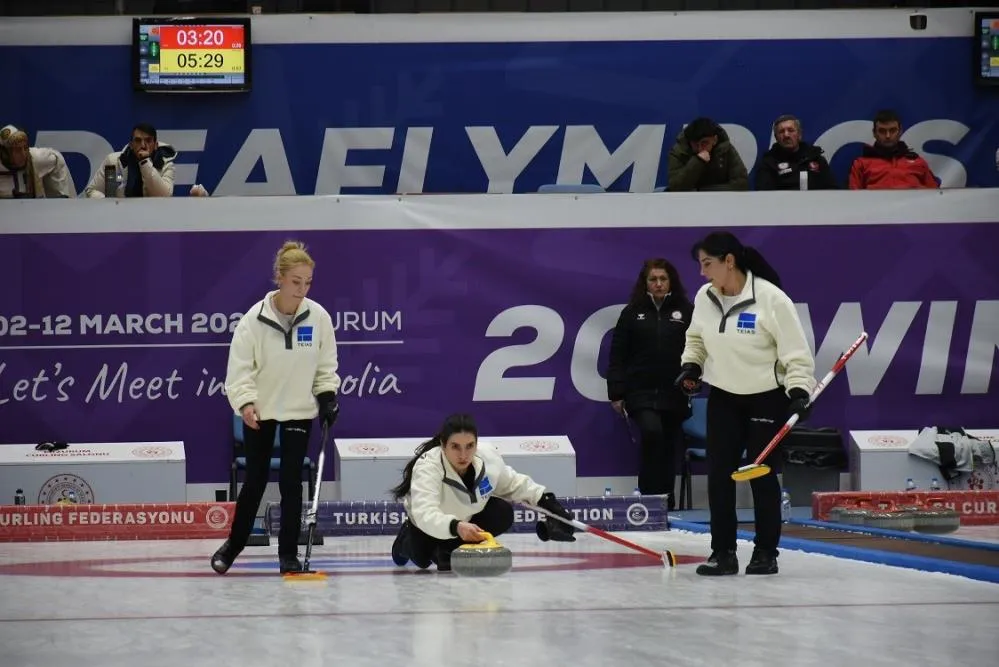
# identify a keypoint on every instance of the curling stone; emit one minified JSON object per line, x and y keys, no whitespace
{"x":834,"y":514}
{"x":889,"y":517}
{"x":853,"y":511}
{"x":488,"y":558}
{"x":935,"y":518}
{"x":854,"y":516}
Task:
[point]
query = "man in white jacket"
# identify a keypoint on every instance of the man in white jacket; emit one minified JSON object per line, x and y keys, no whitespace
{"x":454,"y":489}
{"x":144,"y":168}
{"x":746,"y":341}
{"x":282,"y":373}
{"x":31,"y":172}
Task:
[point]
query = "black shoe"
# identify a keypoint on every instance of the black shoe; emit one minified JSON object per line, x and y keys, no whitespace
{"x":223,"y":559}
{"x":719,"y":563}
{"x":289,"y":564}
{"x":400,"y":548}
{"x":764,"y":561}
{"x":443,"y":560}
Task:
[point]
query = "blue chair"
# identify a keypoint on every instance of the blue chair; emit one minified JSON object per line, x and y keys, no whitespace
{"x":239,"y":458}
{"x":695,"y":436}
{"x":568,"y":188}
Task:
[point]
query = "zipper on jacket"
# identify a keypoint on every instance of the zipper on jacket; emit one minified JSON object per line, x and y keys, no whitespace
{"x":287,"y":334}
{"x":739,"y":306}
{"x":659,"y":339}
{"x":459,"y":485}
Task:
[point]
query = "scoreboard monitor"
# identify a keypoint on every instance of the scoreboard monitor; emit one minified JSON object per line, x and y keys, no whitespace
{"x":987,"y":48}
{"x":191,"y":55}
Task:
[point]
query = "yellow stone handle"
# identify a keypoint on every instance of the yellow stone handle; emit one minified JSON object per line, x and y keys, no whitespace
{"x":488,"y":542}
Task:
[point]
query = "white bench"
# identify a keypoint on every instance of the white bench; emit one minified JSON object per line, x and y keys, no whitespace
{"x":119,"y":472}
{"x":880,"y":461}
{"x":366,"y":468}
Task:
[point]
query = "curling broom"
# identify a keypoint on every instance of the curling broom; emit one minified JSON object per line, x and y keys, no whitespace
{"x":310,"y":518}
{"x":757,"y":468}
{"x":666,"y":557}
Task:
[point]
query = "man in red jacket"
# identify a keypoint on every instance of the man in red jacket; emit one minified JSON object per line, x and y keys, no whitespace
{"x":889,"y":164}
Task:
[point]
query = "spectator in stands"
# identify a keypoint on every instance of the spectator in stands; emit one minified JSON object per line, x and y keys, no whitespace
{"x":144,"y":168}
{"x":889,"y":164}
{"x":31,"y":172}
{"x":703,"y":159}
{"x":454,"y":489}
{"x":782,"y":166}
{"x":644,"y":359}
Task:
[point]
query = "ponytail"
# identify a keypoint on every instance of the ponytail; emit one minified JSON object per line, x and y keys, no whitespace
{"x":456,"y":423}
{"x":753,"y":261}
{"x":402,"y":489}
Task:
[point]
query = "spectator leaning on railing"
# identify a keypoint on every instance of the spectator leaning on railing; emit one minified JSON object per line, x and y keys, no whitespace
{"x":791,"y":163}
{"x":30,"y":172}
{"x":889,"y":164}
{"x":703,"y":159}
{"x":144,"y":168}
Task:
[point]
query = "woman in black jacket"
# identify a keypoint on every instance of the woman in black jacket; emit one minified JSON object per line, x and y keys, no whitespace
{"x":644,"y":359}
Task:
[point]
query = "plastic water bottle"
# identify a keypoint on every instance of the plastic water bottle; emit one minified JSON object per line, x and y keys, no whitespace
{"x":19,"y":497}
{"x":934,"y":484}
{"x":910,"y":484}
{"x":607,"y":492}
{"x":785,"y":506}
{"x":636,"y":492}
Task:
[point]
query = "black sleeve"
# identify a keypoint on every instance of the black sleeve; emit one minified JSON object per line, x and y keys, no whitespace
{"x":826,"y":177}
{"x":619,"y":352}
{"x":765,"y":178}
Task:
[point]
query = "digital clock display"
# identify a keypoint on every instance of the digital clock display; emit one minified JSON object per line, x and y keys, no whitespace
{"x":988,"y":36}
{"x":192,"y":55}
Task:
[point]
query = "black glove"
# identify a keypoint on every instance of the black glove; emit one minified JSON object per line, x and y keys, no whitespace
{"x":689,"y":379}
{"x":329,"y":408}
{"x":799,"y":404}
{"x":553,"y":529}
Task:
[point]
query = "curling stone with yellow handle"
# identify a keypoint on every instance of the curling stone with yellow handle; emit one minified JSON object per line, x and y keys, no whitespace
{"x":487,"y":558}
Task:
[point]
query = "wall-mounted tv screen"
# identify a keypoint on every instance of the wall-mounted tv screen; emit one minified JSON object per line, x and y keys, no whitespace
{"x":191,"y":54}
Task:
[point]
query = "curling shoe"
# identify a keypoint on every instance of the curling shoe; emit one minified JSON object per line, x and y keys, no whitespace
{"x":400,"y":548}
{"x":764,"y":561}
{"x":443,"y":560}
{"x":223,"y":558}
{"x":719,"y":563}
{"x":289,"y":564}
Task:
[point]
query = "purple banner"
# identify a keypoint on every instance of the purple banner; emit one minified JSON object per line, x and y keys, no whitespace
{"x":379,"y":517}
{"x":123,"y":336}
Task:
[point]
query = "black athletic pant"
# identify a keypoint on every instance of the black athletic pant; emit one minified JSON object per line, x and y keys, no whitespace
{"x":495,"y":518}
{"x":737,"y":422}
{"x":259,"y":446}
{"x":660,"y":431}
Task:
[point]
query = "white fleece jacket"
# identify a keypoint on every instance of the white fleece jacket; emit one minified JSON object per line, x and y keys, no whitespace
{"x":155,"y":182}
{"x":437,"y":496}
{"x":52,"y":177}
{"x":281,"y":371}
{"x":757,"y":346}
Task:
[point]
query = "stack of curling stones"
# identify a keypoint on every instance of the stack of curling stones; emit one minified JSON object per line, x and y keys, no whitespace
{"x":488,"y":558}
{"x":930,"y":516}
